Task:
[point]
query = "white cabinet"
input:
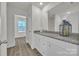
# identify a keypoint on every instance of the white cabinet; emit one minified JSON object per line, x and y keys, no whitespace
{"x":40,"y":44}
{"x":58,"y":50}
{"x":67,"y":48}
{"x":43,"y":45}
{"x":52,"y":47}
{"x":36,"y":41}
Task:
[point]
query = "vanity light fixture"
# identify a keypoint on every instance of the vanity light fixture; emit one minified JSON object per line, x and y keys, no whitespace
{"x":41,"y":3}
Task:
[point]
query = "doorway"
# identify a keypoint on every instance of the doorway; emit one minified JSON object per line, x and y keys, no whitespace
{"x":20,"y":26}
{"x":22,"y":38}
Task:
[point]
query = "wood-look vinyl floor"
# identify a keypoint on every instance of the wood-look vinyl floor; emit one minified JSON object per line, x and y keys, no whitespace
{"x":21,"y":49}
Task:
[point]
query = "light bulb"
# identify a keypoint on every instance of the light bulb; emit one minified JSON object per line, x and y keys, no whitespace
{"x":41,"y":3}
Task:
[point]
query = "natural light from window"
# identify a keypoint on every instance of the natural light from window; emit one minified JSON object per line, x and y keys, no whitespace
{"x":21,"y":25}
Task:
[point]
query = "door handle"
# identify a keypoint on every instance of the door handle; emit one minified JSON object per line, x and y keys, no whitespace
{"x":3,"y":42}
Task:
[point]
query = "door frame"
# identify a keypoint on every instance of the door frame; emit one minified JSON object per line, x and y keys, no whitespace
{"x":15,"y":30}
{"x":3,"y":36}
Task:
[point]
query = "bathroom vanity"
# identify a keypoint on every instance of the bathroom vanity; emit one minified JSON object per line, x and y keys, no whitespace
{"x":50,"y":43}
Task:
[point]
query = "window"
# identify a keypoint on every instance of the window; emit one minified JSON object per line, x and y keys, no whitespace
{"x":21,"y":25}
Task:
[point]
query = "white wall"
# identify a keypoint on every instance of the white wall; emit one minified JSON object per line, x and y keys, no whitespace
{"x":51,"y":22}
{"x":36,"y":22}
{"x":57,"y":23}
{"x":72,"y":18}
{"x":3,"y":21}
{"x":0,"y":25}
{"x":44,"y":20}
{"x":60,"y":11}
{"x":11,"y":11}
{"x":39,"y":18}
{"x":3,"y":28}
{"x":50,"y":6}
{"x":78,"y":26}
{"x":36,"y":18}
{"x":17,"y":33}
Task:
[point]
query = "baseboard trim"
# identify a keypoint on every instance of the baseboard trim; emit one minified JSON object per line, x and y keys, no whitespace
{"x":38,"y":53}
{"x":34,"y":49}
{"x":20,"y":37}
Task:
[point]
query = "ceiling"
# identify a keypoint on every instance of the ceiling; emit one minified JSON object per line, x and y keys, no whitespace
{"x":23,"y":5}
{"x":60,"y":8}
{"x":38,"y":4}
{"x":65,"y":7}
{"x":20,"y":5}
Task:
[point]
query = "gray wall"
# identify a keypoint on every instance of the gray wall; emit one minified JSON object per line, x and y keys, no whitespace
{"x":12,"y":9}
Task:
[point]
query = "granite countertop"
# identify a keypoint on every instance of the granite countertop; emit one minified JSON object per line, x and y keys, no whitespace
{"x":73,"y":38}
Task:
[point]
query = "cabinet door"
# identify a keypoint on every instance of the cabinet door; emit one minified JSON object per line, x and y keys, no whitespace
{"x":53,"y":47}
{"x":57,"y":50}
{"x":43,"y":45}
{"x":69,"y":47}
{"x":36,"y":41}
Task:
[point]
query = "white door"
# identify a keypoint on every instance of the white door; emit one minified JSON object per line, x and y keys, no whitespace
{"x":3,"y":30}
